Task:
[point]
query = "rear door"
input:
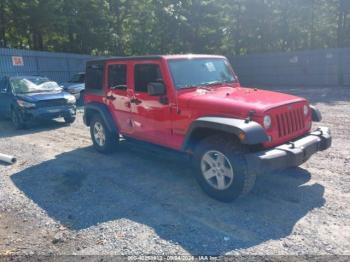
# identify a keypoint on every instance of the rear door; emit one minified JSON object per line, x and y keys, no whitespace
{"x":118,"y":94}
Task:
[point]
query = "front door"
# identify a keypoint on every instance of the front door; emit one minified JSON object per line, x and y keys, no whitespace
{"x":118,"y":95}
{"x":151,"y":119}
{"x":5,"y":97}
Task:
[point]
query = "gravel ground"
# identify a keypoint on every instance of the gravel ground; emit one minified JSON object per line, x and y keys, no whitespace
{"x":62,"y":197}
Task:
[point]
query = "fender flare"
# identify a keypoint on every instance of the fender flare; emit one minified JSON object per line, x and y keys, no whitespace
{"x":254,"y":132}
{"x":104,"y":113}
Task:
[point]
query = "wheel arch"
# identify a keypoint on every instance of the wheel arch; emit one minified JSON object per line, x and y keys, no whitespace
{"x":98,"y":108}
{"x":251,"y":132}
{"x":13,"y":106}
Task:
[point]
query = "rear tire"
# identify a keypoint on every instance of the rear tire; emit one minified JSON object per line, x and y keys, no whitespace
{"x":104,"y":141}
{"x":17,"y":119}
{"x":221,"y":169}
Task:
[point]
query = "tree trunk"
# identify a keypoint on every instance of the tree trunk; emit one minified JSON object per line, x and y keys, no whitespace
{"x":342,"y":15}
{"x":312,"y":26}
{"x":238,"y":30}
{"x":287,"y":39}
{"x":115,"y":9}
{"x":38,"y":43}
{"x":3,"y":42}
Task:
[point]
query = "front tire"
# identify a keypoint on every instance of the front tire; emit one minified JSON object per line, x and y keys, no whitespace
{"x":69,"y":119}
{"x":221,"y":169}
{"x":17,"y":119}
{"x":104,"y":141}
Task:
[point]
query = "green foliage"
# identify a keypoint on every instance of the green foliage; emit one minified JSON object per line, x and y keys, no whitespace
{"x":134,"y":27}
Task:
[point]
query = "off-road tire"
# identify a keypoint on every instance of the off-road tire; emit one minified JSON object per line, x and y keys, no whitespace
{"x":17,"y":119}
{"x":69,"y":119}
{"x":110,"y":138}
{"x":243,"y":181}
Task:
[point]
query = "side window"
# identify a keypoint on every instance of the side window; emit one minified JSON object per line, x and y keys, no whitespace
{"x":94,"y":77}
{"x":117,"y":77}
{"x":145,"y":74}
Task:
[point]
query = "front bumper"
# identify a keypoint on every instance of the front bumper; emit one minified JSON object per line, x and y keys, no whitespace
{"x":291,"y":154}
{"x":49,"y":112}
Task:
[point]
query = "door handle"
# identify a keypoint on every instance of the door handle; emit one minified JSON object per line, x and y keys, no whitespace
{"x":135,"y":101}
{"x":110,"y":97}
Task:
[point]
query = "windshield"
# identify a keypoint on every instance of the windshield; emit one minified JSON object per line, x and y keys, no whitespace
{"x":78,"y":78}
{"x":33,"y":85}
{"x":200,"y":72}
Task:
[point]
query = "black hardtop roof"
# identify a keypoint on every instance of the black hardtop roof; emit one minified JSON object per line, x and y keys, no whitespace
{"x":151,"y":57}
{"x":125,"y":58}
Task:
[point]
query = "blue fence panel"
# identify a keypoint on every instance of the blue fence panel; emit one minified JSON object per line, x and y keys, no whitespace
{"x":326,"y":67}
{"x":57,"y":66}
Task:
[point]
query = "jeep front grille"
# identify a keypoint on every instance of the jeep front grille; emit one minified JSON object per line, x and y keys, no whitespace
{"x":290,"y":121}
{"x":52,"y":103}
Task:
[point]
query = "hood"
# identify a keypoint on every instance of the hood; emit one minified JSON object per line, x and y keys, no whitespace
{"x":73,"y":86}
{"x":66,"y":84}
{"x":43,"y":96}
{"x":236,"y":101}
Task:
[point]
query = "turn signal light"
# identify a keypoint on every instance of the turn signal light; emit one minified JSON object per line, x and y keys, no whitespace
{"x":241,"y":136}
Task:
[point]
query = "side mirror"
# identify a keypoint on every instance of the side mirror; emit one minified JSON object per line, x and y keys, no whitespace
{"x":4,"y":90}
{"x":156,"y":89}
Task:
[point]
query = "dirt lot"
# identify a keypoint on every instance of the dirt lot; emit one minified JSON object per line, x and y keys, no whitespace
{"x":62,"y":197}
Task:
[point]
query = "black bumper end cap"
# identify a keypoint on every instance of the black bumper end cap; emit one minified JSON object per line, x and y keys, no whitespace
{"x":290,"y":154}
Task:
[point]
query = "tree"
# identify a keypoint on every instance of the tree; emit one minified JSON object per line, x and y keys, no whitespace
{"x":132,"y":27}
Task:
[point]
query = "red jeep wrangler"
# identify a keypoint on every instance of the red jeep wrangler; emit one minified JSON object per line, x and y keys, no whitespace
{"x":195,"y":104}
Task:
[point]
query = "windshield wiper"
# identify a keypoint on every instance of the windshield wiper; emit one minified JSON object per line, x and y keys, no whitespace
{"x":188,"y":86}
{"x":212,"y":83}
{"x":206,"y":85}
{"x":218,"y":82}
{"x":196,"y":86}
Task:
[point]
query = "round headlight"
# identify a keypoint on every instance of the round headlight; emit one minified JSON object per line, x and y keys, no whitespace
{"x":267,"y":122}
{"x":306,"y":110}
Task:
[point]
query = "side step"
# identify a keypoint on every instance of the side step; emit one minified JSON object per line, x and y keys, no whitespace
{"x":156,"y":150}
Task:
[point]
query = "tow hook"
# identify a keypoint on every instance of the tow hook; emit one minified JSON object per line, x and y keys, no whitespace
{"x":292,"y":145}
{"x":320,"y":129}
